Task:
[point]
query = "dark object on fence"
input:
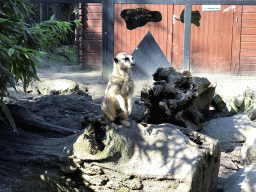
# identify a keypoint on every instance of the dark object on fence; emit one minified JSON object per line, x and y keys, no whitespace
{"x":139,"y":17}
{"x":195,"y":17}
{"x":148,"y":58}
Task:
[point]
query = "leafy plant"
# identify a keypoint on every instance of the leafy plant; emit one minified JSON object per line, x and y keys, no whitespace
{"x":21,"y":47}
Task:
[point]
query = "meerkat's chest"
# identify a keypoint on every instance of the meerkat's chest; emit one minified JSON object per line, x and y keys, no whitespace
{"x":127,"y":87}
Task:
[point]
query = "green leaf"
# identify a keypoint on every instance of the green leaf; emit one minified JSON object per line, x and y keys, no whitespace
{"x":6,"y":39}
{"x":8,"y":115}
{"x":4,"y":71}
{"x":10,"y":52}
{"x":52,"y":18}
{"x":8,"y":80}
{"x":3,"y":20}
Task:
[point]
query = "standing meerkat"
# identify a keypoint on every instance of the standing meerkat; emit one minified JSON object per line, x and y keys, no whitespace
{"x":117,"y":103}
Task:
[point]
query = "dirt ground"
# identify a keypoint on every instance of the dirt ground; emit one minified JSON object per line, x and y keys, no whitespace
{"x":228,"y":84}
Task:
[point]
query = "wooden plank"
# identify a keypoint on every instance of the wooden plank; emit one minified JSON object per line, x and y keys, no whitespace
{"x":128,"y":37}
{"x":248,"y":67}
{"x":248,"y":60}
{"x":178,"y":38}
{"x":163,"y":28}
{"x":211,"y":42}
{"x":248,"y":52}
{"x":92,"y":46}
{"x":93,"y":4}
{"x":91,"y":16}
{"x":236,"y":43}
{"x":249,"y":8}
{"x":248,"y":31}
{"x":93,"y":8}
{"x":249,"y":23}
{"x":92,"y":29}
{"x":132,"y":36}
{"x":117,"y":21}
{"x":249,"y":16}
{"x":248,"y":38}
{"x":93,"y":56}
{"x":248,"y":45}
{"x":92,"y":65}
{"x":93,"y":23}
{"x":169,"y":32}
{"x":93,"y":36}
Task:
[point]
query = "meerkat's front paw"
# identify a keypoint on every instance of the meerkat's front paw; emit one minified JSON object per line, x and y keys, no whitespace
{"x":125,"y":123}
{"x":126,"y":113}
{"x":129,"y":111}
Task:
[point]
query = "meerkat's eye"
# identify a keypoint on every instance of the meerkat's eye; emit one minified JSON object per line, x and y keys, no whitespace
{"x":126,"y":59}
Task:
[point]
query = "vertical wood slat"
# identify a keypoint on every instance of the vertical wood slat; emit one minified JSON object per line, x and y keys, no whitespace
{"x":178,"y":38}
{"x":248,"y":33}
{"x":236,"y":42}
{"x":169,"y":33}
{"x":92,"y":36}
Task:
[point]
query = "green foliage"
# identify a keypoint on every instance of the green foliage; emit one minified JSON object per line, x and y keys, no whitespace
{"x":21,"y":47}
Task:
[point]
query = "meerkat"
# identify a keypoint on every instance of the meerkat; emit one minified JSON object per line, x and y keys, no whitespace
{"x":117,"y":103}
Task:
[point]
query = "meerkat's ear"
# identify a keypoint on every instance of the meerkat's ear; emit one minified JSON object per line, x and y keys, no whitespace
{"x":115,"y":60}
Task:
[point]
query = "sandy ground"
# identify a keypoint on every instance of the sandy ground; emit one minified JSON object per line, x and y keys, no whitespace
{"x":230,"y":85}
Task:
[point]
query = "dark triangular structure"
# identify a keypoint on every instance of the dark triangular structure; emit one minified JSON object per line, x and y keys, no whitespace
{"x":148,"y":58}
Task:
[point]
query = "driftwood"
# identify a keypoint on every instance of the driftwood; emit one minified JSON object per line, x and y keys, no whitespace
{"x":176,"y":98}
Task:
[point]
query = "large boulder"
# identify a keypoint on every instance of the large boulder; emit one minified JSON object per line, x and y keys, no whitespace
{"x":230,"y":131}
{"x":152,"y":158}
{"x":243,"y":180}
{"x":248,"y":150}
{"x":57,"y":86}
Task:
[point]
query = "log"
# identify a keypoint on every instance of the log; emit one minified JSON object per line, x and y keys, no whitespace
{"x":30,"y":121}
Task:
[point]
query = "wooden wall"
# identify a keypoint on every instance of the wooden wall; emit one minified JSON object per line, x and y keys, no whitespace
{"x":90,"y":40}
{"x":211,"y":43}
{"x":248,"y":40}
{"x":225,"y":42}
{"x":210,"y":49}
{"x":127,"y":40}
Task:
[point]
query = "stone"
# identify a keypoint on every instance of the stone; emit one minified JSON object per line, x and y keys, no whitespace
{"x":152,"y":158}
{"x":249,"y":92}
{"x":248,"y":150}
{"x":243,"y":180}
{"x":219,"y":104}
{"x":238,"y":101}
{"x":228,"y":129}
{"x":57,"y":86}
{"x":252,"y":112}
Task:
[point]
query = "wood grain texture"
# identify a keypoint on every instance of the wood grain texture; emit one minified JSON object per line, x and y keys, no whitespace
{"x":248,"y":40}
{"x":211,"y":43}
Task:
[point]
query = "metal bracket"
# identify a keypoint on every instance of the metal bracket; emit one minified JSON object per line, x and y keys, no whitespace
{"x":174,"y":19}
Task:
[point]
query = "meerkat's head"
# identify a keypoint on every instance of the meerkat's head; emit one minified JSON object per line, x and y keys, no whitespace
{"x":124,"y":61}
